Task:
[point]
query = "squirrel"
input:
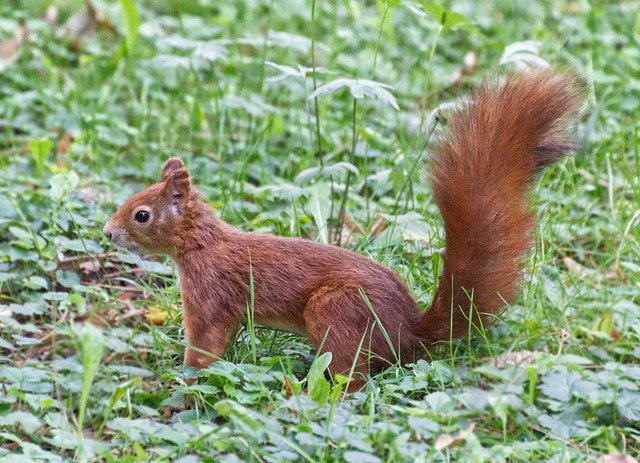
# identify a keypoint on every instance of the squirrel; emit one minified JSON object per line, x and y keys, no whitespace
{"x":481,"y":172}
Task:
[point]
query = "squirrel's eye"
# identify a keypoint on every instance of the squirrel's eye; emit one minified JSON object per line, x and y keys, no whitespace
{"x":142,"y":216}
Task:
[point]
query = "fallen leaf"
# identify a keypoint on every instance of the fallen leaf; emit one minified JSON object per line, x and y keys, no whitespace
{"x":90,"y":266}
{"x":85,"y":24}
{"x":616,"y":458}
{"x":521,"y":358}
{"x":468,"y":68}
{"x":126,"y":296}
{"x":574,"y":267}
{"x":287,"y":387}
{"x":91,"y":194}
{"x":51,"y":16}
{"x":379,"y":225}
{"x":447,"y":440}
{"x":63,"y":148}
{"x":351,"y":223}
{"x":156,"y":315}
{"x":10,"y":48}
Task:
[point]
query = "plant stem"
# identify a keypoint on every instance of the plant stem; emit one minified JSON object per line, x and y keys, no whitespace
{"x":317,"y":109}
{"x":348,"y":181}
{"x":315,"y":83}
{"x":413,"y":168}
{"x":430,"y":72}
{"x":375,"y":56}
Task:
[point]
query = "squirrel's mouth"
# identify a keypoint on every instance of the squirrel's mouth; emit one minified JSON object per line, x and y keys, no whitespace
{"x":123,"y":243}
{"x":131,"y":247}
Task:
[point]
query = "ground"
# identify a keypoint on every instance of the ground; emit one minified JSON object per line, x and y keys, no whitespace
{"x":260,"y":99}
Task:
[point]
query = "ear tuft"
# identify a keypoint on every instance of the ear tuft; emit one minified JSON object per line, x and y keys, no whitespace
{"x":177,"y":189}
{"x":178,"y":183}
{"x":171,"y":166}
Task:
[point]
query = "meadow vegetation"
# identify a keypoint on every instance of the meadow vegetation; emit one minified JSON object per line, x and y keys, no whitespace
{"x":287,"y":113}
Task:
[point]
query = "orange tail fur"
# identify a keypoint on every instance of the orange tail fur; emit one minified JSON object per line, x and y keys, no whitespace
{"x":481,"y":173}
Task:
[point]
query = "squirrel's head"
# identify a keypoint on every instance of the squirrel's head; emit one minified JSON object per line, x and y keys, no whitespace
{"x":149,"y":221}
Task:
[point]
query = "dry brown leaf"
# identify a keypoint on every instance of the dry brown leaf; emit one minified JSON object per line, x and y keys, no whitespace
{"x":90,"y":194}
{"x":63,"y":148}
{"x":468,"y":68}
{"x":444,"y":441}
{"x":447,"y":440}
{"x":521,"y":358}
{"x":51,"y":16}
{"x":90,"y":266}
{"x":10,"y":48}
{"x":574,"y":267}
{"x":80,"y":25}
{"x":379,"y":225}
{"x":616,"y":458}
{"x":346,"y":237}
{"x":126,"y":296}
{"x":350,"y":223}
{"x":86,"y":24}
{"x":612,"y":275}
{"x":350,"y":228}
{"x":287,"y":387}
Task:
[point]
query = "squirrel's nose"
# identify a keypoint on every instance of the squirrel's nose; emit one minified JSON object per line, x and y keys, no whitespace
{"x":107,"y":231}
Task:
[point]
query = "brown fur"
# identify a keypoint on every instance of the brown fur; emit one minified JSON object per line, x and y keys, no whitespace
{"x":481,"y":172}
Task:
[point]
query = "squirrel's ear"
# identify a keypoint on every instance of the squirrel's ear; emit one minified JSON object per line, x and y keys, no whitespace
{"x":178,"y":189}
{"x":172,"y":165}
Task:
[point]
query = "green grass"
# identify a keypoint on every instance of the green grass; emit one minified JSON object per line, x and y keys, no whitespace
{"x":226,"y":86}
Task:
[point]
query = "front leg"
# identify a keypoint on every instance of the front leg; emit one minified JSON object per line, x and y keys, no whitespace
{"x":209,"y":344}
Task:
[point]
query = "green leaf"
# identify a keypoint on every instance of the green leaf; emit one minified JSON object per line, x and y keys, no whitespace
{"x":319,"y":388}
{"x":230,"y":409}
{"x":410,"y":225}
{"x":62,"y":184}
{"x":29,"y":422}
{"x":359,"y":89}
{"x":552,"y":287}
{"x":447,"y":18}
{"x":523,"y":55}
{"x":40,"y":149}
{"x":440,"y":402}
{"x":424,"y":426}
{"x":566,"y":425}
{"x":320,"y":206}
{"x":628,"y":405}
{"x":67,"y":279}
{"x":132,"y":23}
{"x":147,"y":265}
{"x":74,"y":300}
{"x":353,"y":456}
{"x":28,"y":308}
{"x":90,"y":343}
{"x":328,"y":171}
{"x":78,"y":245}
{"x":560,"y":386}
{"x":36,"y":282}
{"x":116,"y":396}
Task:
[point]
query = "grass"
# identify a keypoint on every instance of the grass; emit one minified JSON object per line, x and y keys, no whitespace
{"x":88,"y":117}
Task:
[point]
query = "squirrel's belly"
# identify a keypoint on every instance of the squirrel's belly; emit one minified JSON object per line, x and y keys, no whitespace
{"x":279,"y":323}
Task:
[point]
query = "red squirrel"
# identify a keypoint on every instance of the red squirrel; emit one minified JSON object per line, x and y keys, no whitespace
{"x":482,"y":168}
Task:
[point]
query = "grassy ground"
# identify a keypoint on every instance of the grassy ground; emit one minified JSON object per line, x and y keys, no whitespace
{"x":91,"y":343}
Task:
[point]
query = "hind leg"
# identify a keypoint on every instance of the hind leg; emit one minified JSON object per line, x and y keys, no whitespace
{"x":337,"y":320}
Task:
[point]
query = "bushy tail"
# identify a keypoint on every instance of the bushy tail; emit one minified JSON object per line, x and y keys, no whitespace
{"x":481,"y":172}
